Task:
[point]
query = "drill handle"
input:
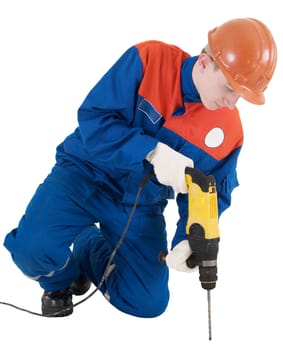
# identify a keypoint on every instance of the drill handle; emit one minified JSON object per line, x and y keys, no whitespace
{"x":204,"y":256}
{"x":192,"y":261}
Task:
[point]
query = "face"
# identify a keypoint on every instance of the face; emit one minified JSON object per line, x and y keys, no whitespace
{"x":215,"y":91}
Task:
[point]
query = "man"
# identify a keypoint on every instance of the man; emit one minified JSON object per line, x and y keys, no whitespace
{"x":157,"y":109}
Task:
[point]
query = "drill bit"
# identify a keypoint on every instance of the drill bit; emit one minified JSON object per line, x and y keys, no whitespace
{"x":209,"y":314}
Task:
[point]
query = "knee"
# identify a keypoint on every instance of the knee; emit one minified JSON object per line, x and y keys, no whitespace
{"x":20,"y":243}
{"x":152,"y":305}
{"x":33,"y":255}
{"x":20,"y":246}
{"x":145,"y":304}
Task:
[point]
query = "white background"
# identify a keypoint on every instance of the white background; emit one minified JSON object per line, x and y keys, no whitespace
{"x":52,"y":53}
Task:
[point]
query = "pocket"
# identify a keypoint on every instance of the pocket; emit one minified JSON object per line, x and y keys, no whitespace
{"x":151,"y":226}
{"x":147,"y":108}
{"x":152,"y":192}
{"x":148,"y":237}
{"x":229,"y":183}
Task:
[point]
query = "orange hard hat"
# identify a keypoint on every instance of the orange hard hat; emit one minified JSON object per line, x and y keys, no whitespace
{"x":246,"y":53}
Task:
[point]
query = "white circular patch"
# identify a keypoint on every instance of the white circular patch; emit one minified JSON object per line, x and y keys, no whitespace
{"x":214,"y":138}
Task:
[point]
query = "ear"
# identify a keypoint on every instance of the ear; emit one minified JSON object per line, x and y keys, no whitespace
{"x":204,"y":60}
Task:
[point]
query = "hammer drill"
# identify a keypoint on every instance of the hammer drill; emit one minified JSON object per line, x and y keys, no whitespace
{"x":202,"y":229}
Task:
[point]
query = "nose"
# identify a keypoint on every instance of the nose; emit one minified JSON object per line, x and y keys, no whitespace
{"x":231,"y":99}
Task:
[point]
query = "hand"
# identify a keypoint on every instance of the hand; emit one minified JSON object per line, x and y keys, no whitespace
{"x":176,"y":259}
{"x":169,"y":167}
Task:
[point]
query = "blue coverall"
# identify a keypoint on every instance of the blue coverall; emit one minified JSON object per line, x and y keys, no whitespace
{"x":79,"y":212}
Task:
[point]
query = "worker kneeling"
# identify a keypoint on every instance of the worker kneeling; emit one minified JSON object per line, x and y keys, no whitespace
{"x":159,"y":110}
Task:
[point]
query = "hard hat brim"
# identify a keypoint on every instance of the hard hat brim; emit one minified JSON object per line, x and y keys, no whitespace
{"x":256,"y":98}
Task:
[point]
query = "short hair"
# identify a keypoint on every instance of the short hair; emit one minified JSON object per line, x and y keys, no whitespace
{"x":207,"y":51}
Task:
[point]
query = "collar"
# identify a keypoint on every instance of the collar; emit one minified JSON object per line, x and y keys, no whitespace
{"x":190,"y":93}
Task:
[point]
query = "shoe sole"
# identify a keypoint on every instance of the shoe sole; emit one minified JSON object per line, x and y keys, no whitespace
{"x":57,"y":312}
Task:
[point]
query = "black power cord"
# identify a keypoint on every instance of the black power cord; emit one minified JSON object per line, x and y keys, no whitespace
{"x":114,"y":252}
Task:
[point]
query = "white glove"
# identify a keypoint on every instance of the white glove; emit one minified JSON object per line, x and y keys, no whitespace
{"x":169,"y":167}
{"x":176,"y":259}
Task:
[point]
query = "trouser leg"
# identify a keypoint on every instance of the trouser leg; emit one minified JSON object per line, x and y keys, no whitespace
{"x":41,"y":244}
{"x":138,"y":284}
{"x":62,"y":208}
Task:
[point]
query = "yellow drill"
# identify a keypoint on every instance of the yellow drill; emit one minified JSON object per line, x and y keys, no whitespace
{"x":202,"y":229}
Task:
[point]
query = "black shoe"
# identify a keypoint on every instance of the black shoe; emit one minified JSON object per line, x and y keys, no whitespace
{"x":57,"y":303}
{"x":80,"y":286}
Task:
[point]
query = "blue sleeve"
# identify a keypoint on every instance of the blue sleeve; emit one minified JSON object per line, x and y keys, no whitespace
{"x":106,"y":117}
{"x":226,"y":181}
